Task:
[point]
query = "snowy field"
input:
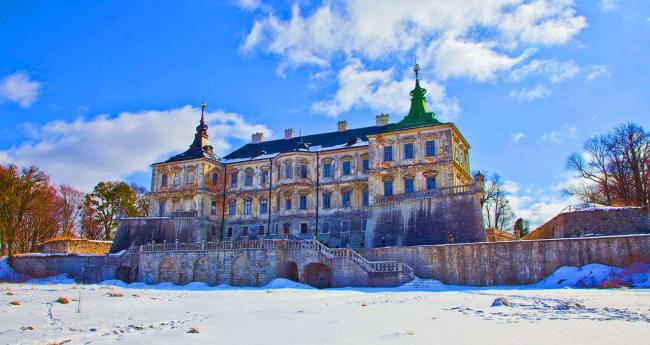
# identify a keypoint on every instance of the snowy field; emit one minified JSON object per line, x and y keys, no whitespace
{"x":284,"y":312}
{"x":165,"y":314}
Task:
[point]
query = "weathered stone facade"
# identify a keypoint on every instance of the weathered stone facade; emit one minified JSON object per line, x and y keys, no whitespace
{"x":594,"y":222}
{"x":403,"y":183}
{"x":255,"y":263}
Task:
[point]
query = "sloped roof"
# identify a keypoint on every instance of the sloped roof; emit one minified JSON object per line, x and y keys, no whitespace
{"x":315,"y":142}
{"x":194,"y":153}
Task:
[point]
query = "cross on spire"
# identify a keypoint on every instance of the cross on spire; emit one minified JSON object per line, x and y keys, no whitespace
{"x":416,"y":69}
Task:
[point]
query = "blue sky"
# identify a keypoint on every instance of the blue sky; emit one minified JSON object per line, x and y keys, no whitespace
{"x":100,"y":90}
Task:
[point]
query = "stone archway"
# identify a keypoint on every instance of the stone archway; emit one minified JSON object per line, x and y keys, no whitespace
{"x":123,"y":273}
{"x":289,"y":270}
{"x":241,"y":271}
{"x":201,"y":270}
{"x":318,"y":275}
{"x":167,"y":270}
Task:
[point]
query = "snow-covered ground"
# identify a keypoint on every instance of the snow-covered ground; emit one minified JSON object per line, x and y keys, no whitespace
{"x":164,"y":315}
{"x":285,"y":312}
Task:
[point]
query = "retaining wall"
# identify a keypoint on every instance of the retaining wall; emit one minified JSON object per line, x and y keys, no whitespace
{"x":514,"y":262}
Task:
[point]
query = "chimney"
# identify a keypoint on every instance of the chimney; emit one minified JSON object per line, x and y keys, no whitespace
{"x":257,"y":137}
{"x":288,"y":133}
{"x":342,"y":125}
{"x":382,"y":119}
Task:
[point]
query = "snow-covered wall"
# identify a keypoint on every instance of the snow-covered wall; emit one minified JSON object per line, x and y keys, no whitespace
{"x":514,"y":262}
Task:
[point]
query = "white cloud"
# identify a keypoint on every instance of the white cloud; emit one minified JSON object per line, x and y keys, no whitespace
{"x":516,"y":137}
{"x":453,"y":57}
{"x":596,"y":71}
{"x":19,"y":88}
{"x":607,"y":5}
{"x":566,"y":132}
{"x":556,"y":71}
{"x":536,"y":205}
{"x":249,"y":4}
{"x":380,"y":91}
{"x":84,"y":151}
{"x":526,"y":94}
{"x":374,"y":31}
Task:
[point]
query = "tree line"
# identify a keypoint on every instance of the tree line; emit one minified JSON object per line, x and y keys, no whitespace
{"x":33,"y":210}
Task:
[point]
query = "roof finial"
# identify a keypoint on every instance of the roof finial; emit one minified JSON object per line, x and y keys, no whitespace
{"x":416,"y":69}
{"x":202,"y":112}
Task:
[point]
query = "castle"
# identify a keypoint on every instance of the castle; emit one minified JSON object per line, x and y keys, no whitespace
{"x":391,"y":184}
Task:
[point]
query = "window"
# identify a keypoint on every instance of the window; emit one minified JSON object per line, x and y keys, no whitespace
{"x":409,"y":185}
{"x":260,"y":232}
{"x":213,"y":207}
{"x":247,"y":207}
{"x":327,"y":169}
{"x":388,"y":187}
{"x":408,"y":151}
{"x":233,"y":180}
{"x":431,"y":148}
{"x":215,"y":179}
{"x":163,"y":180}
{"x":364,"y":225}
{"x":214,"y":230}
{"x":288,"y":170}
{"x":229,"y":232}
{"x":345,"y":196}
{"x":244,"y":231}
{"x":303,"y":228}
{"x":345,"y":226}
{"x":431,"y":182}
{"x":248,"y":179}
{"x":303,"y":202}
{"x":303,"y":170}
{"x":287,"y":228}
{"x":325,"y":227}
{"x":177,"y":179}
{"x":327,"y":200}
{"x":287,"y":203}
{"x":366,"y":165}
{"x":264,"y":176}
{"x":231,"y":207}
{"x":388,"y":153}
{"x":346,"y":168}
{"x":161,"y":208}
{"x":366,"y":198}
{"x":264,"y":206}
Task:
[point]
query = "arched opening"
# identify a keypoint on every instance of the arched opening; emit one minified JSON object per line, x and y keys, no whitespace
{"x":201,"y":270}
{"x":318,"y":276}
{"x":289,"y":270}
{"x":242,"y":272}
{"x":166,"y":270}
{"x":123,"y":273}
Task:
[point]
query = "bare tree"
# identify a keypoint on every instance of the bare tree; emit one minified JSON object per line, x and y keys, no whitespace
{"x":69,"y":207}
{"x":497,"y":211}
{"x":613,"y":169}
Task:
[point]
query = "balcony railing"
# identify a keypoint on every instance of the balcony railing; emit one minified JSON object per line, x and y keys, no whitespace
{"x":421,"y":195}
{"x":184,"y":214}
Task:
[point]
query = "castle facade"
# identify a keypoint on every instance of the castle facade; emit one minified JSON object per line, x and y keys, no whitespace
{"x":403,"y":183}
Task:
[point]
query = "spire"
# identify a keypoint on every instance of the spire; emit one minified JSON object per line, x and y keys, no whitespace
{"x":418,"y":101}
{"x":201,"y":136}
{"x":418,"y":114}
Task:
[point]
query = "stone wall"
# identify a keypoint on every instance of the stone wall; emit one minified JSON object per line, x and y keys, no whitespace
{"x":75,"y":246}
{"x":594,"y":222}
{"x":427,"y":220}
{"x":514,"y":262}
